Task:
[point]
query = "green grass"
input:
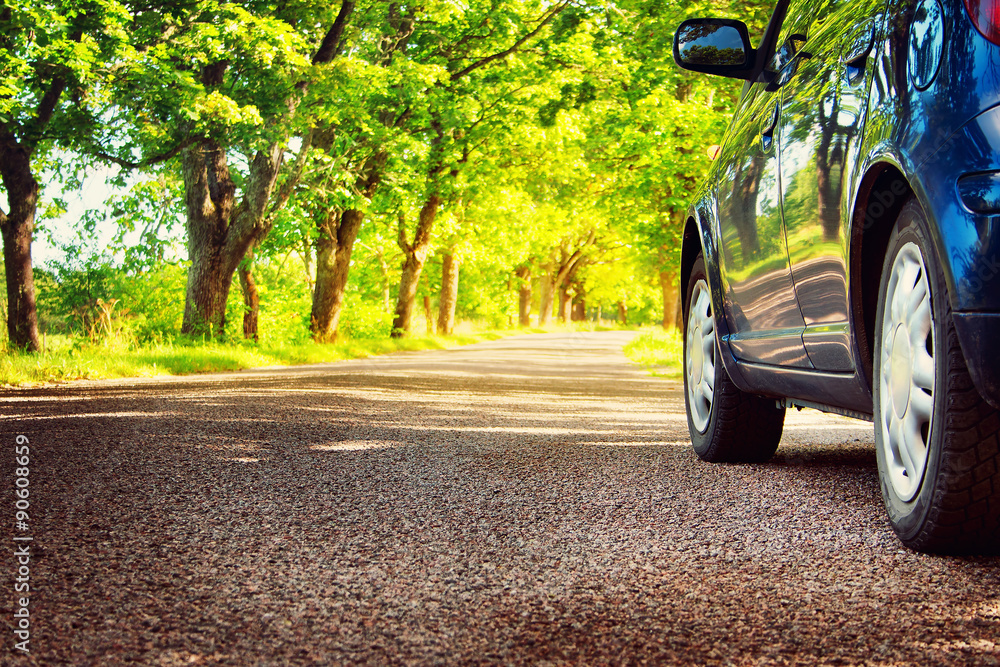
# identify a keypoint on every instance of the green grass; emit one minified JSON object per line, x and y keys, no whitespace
{"x":659,"y":350}
{"x":65,"y":359}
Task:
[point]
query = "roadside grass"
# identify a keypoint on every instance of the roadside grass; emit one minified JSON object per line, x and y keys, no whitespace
{"x":661,"y":351}
{"x":65,"y":359}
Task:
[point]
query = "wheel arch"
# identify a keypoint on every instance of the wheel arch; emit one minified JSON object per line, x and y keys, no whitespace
{"x":882,"y":193}
{"x":690,"y":249}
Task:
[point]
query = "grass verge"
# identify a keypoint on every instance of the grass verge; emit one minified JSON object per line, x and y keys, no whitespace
{"x":65,"y":359}
{"x":662,"y":352}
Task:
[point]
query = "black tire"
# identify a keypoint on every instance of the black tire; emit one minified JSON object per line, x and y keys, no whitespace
{"x":732,"y":426}
{"x":950,"y":504}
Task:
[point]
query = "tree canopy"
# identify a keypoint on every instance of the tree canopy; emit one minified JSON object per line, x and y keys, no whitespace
{"x":507,"y":159}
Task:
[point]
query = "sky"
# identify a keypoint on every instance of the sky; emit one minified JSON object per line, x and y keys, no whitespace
{"x":95,"y":192}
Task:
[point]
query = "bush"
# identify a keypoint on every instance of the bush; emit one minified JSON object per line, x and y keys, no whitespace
{"x":364,"y":319}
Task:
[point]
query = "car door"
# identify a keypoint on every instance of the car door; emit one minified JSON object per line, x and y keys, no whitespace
{"x":762,"y":311}
{"x":824,"y":88}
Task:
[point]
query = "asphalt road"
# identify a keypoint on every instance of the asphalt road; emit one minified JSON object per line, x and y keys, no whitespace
{"x":531,"y":500}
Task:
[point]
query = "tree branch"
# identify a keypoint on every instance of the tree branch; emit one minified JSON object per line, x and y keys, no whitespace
{"x":506,"y":52}
{"x":285,"y":193}
{"x":332,"y":42}
{"x":401,"y":233}
{"x":47,"y":105}
{"x":148,"y":162}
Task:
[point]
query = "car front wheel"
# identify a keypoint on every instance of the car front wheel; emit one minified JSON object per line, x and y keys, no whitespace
{"x":938,"y":468}
{"x":725,"y":423}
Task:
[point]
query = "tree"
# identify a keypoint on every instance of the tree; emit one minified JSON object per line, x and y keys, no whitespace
{"x":362,"y":143}
{"x":469,"y":109}
{"x":223,"y":87}
{"x":647,"y":125}
{"x":51,"y":53}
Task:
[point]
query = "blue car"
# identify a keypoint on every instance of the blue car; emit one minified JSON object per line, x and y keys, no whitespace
{"x":844,"y":251}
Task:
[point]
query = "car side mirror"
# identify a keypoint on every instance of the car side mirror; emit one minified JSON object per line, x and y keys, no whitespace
{"x":715,"y":46}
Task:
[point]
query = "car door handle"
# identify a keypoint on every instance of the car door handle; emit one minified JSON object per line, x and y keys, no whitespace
{"x":767,"y":133}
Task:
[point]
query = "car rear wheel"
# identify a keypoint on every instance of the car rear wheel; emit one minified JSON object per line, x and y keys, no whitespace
{"x":725,"y":423}
{"x":939,"y":477}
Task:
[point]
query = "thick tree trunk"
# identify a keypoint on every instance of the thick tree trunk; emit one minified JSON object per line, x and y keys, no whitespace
{"x":523,"y":274}
{"x":414,"y":256}
{"x":622,"y":313}
{"x":17,"y":226}
{"x":219,"y":232}
{"x":334,"y":246}
{"x":251,"y":297}
{"x":210,"y":197}
{"x":449,"y":295}
{"x":668,"y":286}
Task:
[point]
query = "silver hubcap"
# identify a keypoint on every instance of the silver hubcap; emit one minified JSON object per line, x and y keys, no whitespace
{"x":699,"y":348}
{"x":906,"y":377}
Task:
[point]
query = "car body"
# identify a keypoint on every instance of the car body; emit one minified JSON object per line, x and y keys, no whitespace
{"x":861,"y":170}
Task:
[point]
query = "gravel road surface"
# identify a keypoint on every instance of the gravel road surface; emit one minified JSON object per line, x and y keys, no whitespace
{"x":532,"y":500}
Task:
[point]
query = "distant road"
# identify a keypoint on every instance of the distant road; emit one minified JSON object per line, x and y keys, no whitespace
{"x":529,"y":500}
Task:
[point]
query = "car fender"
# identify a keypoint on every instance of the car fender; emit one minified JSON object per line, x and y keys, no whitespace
{"x":700,"y":233}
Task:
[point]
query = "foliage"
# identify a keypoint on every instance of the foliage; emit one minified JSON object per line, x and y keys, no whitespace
{"x":364,"y":320}
{"x":660,"y":351}
{"x":550,"y":130}
{"x":95,"y":299}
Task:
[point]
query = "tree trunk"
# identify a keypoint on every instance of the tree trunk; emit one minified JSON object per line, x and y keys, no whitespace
{"x":403,"y":320}
{"x":449,"y":295}
{"x":568,"y":285}
{"x":219,"y":232}
{"x":251,"y":298}
{"x":334,"y":246}
{"x":307,"y":263}
{"x":579,"y":311}
{"x":622,"y":313}
{"x":668,"y":285}
{"x":559,"y":276}
{"x":17,"y":227}
{"x":383,"y":267}
{"x":524,"y":296}
{"x":428,"y":315}
{"x":565,"y":304}
{"x":414,"y":256}
{"x":209,"y":198}
{"x":545,"y":302}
